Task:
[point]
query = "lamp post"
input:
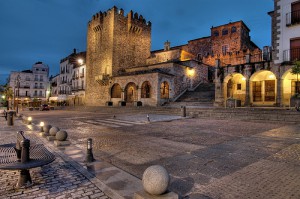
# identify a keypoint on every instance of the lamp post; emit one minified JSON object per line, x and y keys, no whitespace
{"x":18,"y":90}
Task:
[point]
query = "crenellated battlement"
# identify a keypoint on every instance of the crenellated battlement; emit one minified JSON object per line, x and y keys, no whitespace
{"x":134,"y":20}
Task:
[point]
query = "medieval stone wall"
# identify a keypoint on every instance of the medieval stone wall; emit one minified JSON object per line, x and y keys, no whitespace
{"x":114,"y":42}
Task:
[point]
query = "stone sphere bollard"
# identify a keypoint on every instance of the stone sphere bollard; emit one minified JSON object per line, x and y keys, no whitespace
{"x":53,"y":131}
{"x":61,"y":135}
{"x":155,"y":180}
{"x":46,"y":128}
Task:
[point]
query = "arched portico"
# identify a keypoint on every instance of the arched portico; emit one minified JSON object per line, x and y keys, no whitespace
{"x":235,"y":87}
{"x":131,"y":92}
{"x":289,"y":86}
{"x":263,"y":86}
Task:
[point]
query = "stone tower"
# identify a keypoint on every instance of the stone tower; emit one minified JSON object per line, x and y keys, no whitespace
{"x":114,"y":42}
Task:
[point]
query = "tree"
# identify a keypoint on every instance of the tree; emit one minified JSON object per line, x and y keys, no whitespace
{"x":296,"y":71}
{"x":8,"y":92}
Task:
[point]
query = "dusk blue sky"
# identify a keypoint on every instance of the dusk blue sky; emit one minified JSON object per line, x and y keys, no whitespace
{"x":49,"y":30}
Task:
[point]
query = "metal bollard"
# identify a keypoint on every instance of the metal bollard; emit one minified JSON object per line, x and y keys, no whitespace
{"x":42,"y":126}
{"x":10,"y":118}
{"x":89,"y":154}
{"x":183,"y":111}
{"x":148,"y":118}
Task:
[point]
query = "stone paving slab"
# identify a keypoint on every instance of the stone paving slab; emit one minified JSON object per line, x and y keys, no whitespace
{"x":64,"y":178}
{"x":207,"y":158}
{"x":263,"y":179}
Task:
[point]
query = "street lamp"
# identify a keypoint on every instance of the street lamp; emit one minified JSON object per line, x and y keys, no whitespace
{"x":17,"y":81}
{"x":80,"y":61}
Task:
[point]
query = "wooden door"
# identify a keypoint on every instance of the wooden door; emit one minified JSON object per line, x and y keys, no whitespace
{"x":269,"y":90}
{"x":256,"y":91}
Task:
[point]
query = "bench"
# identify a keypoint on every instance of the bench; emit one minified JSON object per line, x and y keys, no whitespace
{"x":21,"y":156}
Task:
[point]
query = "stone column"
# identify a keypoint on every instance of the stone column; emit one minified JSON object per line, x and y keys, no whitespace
{"x":279,"y":102}
{"x":248,"y":69}
{"x":219,"y":90}
{"x":139,"y":90}
{"x":123,"y":95}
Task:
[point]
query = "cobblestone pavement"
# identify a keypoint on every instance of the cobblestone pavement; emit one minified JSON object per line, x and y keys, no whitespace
{"x":206,"y":158}
{"x":59,"y":179}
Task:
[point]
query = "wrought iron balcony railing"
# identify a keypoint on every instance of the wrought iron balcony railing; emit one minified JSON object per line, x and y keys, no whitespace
{"x":291,"y":55}
{"x":293,"y":18}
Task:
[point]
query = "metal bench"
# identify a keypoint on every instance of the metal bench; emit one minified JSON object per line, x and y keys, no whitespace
{"x":21,"y":156}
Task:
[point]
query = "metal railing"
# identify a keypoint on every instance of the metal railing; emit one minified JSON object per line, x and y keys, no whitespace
{"x":293,"y":18}
{"x":291,"y":55}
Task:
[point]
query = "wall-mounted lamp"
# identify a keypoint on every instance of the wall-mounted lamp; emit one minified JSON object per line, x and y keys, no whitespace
{"x":190,"y":72}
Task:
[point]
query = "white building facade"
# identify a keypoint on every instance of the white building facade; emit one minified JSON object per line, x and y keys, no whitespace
{"x":31,"y":85}
{"x":286,"y":47}
{"x":68,"y":88}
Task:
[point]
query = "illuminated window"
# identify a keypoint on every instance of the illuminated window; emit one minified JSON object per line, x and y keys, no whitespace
{"x":225,"y":49}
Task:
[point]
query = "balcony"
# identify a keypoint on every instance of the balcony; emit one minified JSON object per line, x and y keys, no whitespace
{"x":81,"y":75}
{"x":291,"y":55}
{"x":293,"y":18}
{"x":81,"y":88}
{"x":74,"y":88}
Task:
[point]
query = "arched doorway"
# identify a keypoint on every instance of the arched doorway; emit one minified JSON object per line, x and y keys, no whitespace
{"x":164,"y":90}
{"x":116,"y":91}
{"x":235,"y":87}
{"x":289,"y":86}
{"x":263,"y":88}
{"x":130,"y":92}
{"x":146,"y":90}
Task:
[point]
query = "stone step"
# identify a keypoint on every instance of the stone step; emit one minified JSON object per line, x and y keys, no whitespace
{"x":247,"y":114}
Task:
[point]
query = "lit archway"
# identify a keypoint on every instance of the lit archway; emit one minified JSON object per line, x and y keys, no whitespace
{"x":289,"y":86}
{"x":116,"y":91}
{"x":130,"y":92}
{"x":235,"y":87}
{"x":263,"y":88}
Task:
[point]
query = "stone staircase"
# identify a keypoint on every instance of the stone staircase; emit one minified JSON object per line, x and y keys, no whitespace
{"x":252,"y":114}
{"x":202,"y":96}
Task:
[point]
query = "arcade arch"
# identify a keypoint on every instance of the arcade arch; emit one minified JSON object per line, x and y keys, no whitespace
{"x":235,"y":87}
{"x":289,"y":86}
{"x":263,"y":86}
{"x":130,"y":92}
